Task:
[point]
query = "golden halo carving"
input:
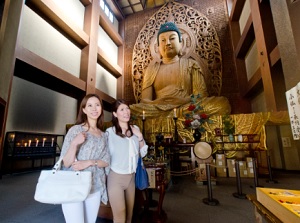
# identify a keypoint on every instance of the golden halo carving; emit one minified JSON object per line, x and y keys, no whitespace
{"x":200,"y":42}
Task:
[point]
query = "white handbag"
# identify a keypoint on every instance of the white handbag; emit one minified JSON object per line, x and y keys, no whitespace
{"x":57,"y":186}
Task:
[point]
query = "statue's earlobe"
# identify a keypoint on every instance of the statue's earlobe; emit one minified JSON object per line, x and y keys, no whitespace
{"x":180,"y":53}
{"x":156,"y":48}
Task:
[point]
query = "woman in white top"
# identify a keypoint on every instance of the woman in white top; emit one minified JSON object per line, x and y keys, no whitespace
{"x":85,"y":149}
{"x":125,"y":142}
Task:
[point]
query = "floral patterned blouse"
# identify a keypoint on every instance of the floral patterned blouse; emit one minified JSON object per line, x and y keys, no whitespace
{"x":94,"y":148}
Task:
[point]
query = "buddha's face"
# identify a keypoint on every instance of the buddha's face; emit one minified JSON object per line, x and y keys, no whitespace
{"x":169,"y":45}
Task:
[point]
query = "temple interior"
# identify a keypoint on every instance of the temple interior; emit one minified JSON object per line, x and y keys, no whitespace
{"x":212,"y":84}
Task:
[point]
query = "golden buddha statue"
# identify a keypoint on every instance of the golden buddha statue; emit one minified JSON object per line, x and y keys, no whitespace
{"x":167,"y":71}
{"x":170,"y":82}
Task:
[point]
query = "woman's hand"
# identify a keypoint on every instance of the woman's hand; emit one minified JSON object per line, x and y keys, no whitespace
{"x":80,"y":165}
{"x":79,"y":139}
{"x":138,"y":133}
{"x":70,"y":156}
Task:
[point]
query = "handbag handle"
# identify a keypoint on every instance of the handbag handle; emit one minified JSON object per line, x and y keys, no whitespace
{"x":57,"y":166}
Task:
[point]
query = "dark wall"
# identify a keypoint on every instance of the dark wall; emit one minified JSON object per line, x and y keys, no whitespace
{"x":219,"y":18}
{"x":294,"y":9}
{"x":286,"y":21}
{"x":1,"y":10}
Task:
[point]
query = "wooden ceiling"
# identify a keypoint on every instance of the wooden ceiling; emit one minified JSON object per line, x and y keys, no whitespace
{"x":128,"y":7}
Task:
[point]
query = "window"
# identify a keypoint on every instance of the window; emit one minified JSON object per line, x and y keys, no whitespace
{"x":107,"y":10}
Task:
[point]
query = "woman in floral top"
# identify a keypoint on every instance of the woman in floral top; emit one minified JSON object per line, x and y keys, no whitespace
{"x":85,"y":149}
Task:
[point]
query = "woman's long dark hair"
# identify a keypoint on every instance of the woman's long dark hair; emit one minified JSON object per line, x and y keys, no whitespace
{"x":115,"y":121}
{"x":82,"y":117}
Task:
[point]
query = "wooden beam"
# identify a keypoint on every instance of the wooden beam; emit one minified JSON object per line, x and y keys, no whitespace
{"x":2,"y":101}
{"x":48,"y":10}
{"x":274,"y":56}
{"x":121,"y":59}
{"x":86,"y":2}
{"x":88,"y":65}
{"x":246,"y":39}
{"x":105,"y":97}
{"x":109,"y":29}
{"x":40,"y":63}
{"x":237,"y":8}
{"x":263,"y":57}
{"x":104,"y":60}
{"x":254,"y":85}
{"x":116,"y":10}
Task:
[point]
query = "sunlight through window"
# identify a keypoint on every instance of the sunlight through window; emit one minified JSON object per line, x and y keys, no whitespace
{"x":107,"y":10}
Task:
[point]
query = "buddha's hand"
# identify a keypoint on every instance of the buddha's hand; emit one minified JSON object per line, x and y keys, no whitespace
{"x":157,"y":101}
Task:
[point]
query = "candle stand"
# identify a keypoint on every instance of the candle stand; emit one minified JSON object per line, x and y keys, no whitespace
{"x":175,"y":130}
{"x":143,"y":127}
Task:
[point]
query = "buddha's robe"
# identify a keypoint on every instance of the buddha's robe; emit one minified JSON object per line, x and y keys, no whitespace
{"x":172,"y":89}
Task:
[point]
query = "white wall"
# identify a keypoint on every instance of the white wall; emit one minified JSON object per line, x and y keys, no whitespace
{"x":34,"y":108}
{"x":290,"y":151}
{"x":252,"y":62}
{"x":274,"y":147}
{"x":44,"y":40}
{"x":258,"y":104}
{"x":72,"y":9}
{"x":107,"y":45}
{"x":106,"y":82}
{"x":244,"y":15}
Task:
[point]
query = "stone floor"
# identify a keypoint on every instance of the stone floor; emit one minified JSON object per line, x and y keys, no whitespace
{"x":183,"y":201}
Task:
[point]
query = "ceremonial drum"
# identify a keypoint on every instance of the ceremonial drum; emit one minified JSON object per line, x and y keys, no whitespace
{"x":202,"y":150}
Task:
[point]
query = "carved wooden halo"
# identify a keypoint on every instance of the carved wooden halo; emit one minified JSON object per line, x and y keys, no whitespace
{"x":200,"y":42}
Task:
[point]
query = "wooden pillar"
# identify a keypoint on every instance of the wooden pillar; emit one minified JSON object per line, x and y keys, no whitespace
{"x":8,"y":40}
{"x":88,"y":64}
{"x":263,"y":56}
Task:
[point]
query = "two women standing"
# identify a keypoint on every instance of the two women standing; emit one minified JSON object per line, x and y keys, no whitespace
{"x":87,"y":148}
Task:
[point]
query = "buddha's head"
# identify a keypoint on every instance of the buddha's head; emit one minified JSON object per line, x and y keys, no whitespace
{"x":166,"y":27}
{"x":169,"y":40}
